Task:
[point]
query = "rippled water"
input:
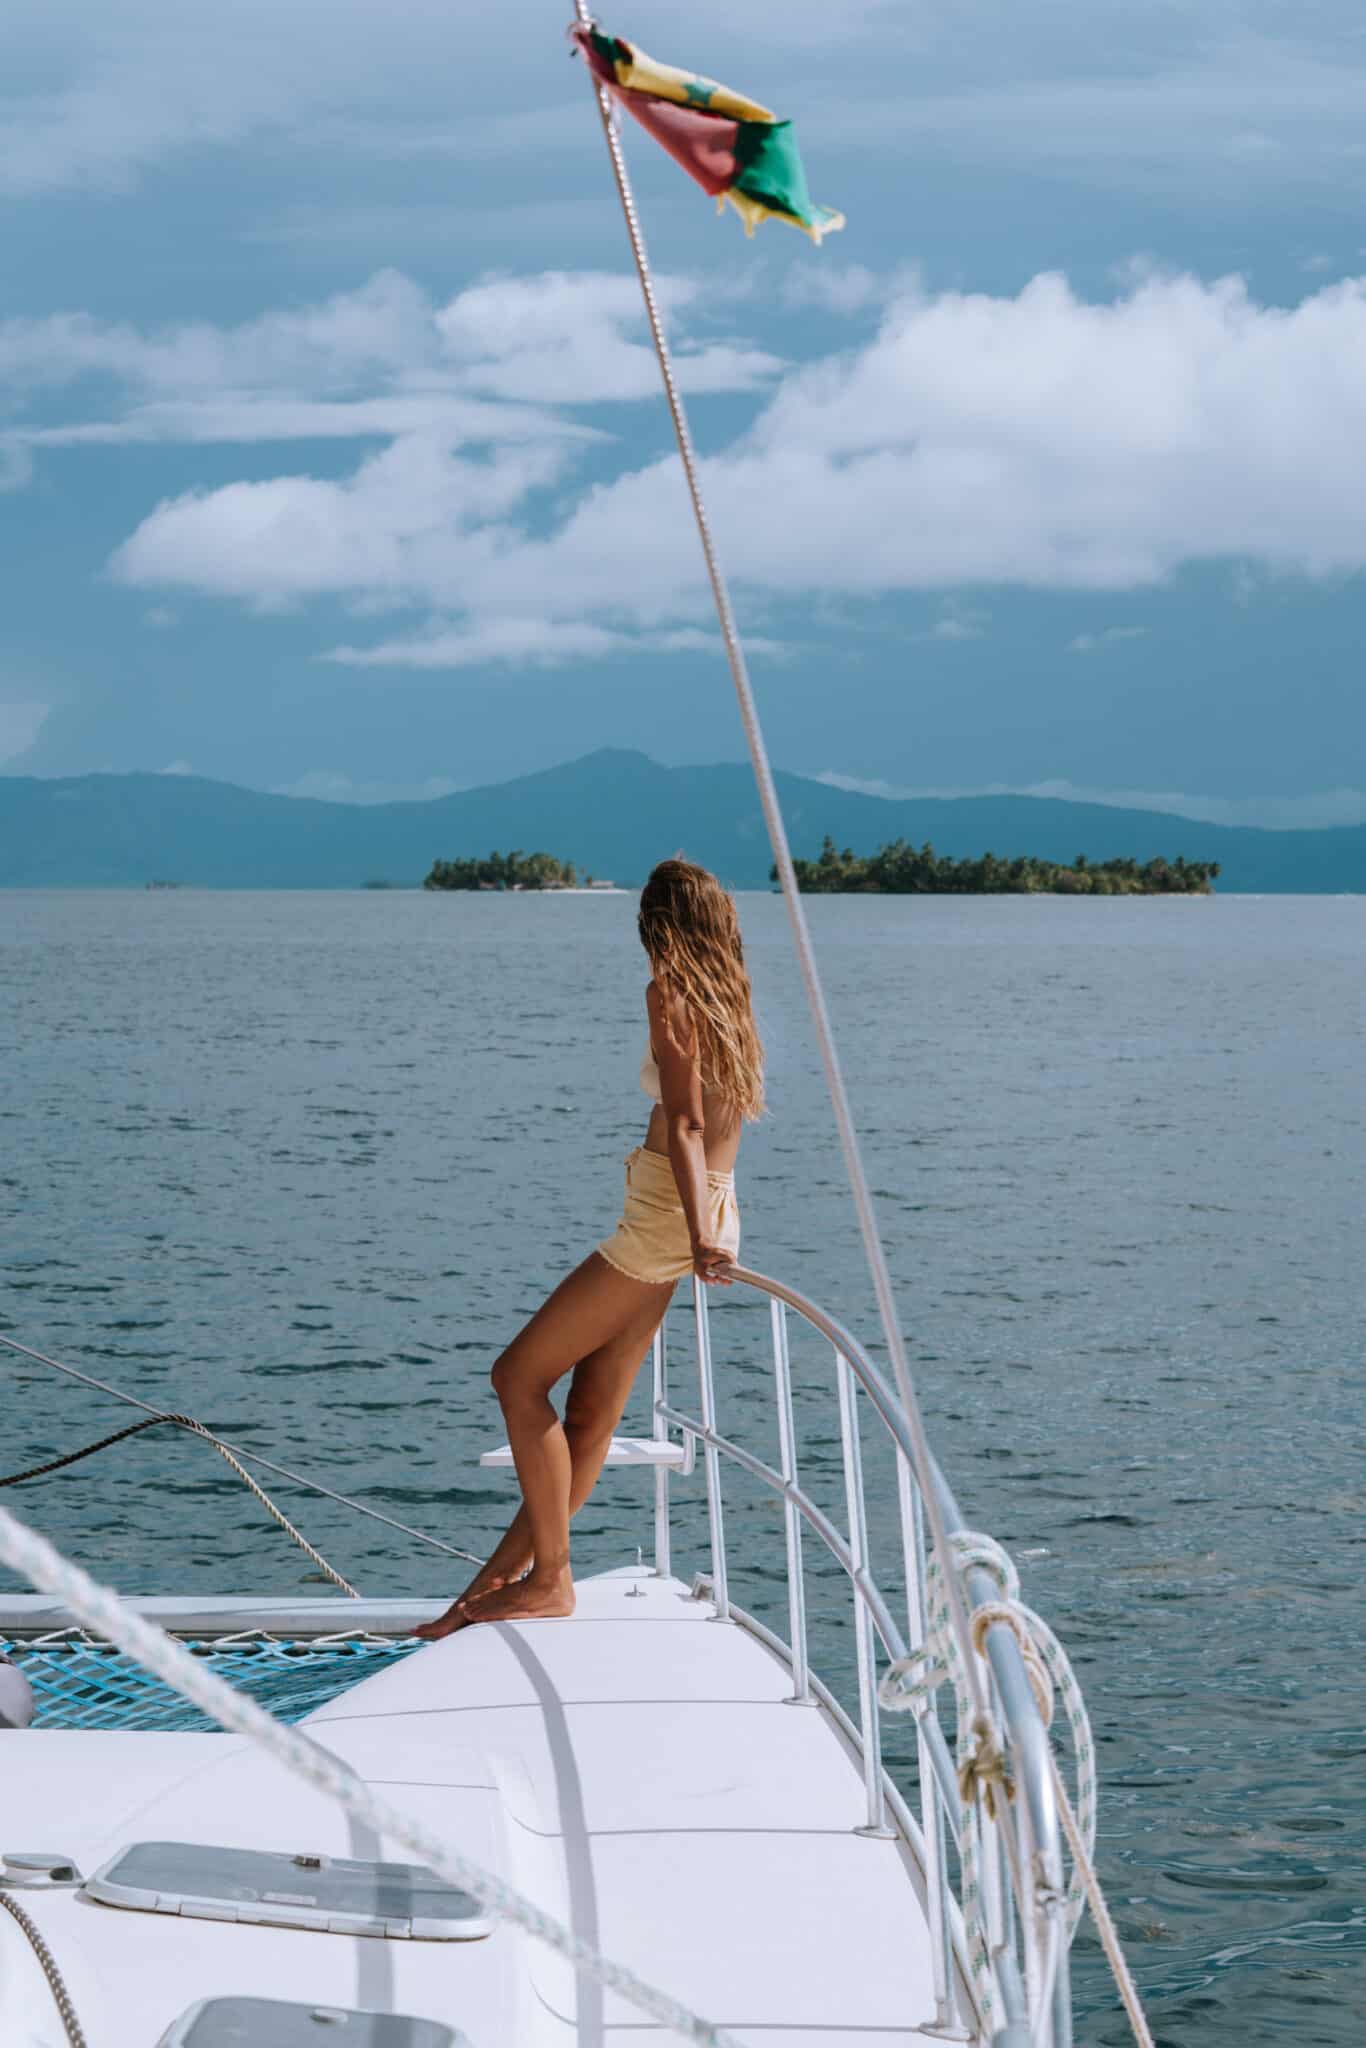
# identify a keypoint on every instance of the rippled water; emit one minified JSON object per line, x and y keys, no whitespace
{"x":301,"y":1163}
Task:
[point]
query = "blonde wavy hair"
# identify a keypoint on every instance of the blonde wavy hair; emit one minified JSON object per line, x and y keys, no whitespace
{"x":691,"y":935}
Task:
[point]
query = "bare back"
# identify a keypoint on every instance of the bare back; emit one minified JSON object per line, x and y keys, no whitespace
{"x":673,"y":1053}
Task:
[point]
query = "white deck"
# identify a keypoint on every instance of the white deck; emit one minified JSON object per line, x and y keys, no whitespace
{"x":634,"y":1770}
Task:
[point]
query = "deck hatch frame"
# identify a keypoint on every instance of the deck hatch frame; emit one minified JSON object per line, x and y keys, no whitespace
{"x":245,"y":2022}
{"x":283,"y":1888}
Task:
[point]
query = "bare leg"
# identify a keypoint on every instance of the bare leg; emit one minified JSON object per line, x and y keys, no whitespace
{"x":598,"y":1393}
{"x":558,"y":1465}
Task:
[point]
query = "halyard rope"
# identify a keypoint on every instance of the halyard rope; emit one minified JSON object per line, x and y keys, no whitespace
{"x":187,"y":1422}
{"x":47,"y":1962}
{"x":252,"y":1457}
{"x":911,"y":1679}
{"x":782,"y":854}
{"x":100,"y":1609}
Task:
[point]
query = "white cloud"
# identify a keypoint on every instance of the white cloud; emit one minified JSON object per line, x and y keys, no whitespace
{"x":177,"y":768}
{"x":246,"y":419}
{"x":160,"y":617}
{"x":531,"y":642}
{"x":384,"y":327}
{"x":102,"y":95}
{"x":99,"y":95}
{"x":1238,"y":104}
{"x":20,"y":725}
{"x":495,"y":365}
{"x":566,"y":337}
{"x":1108,"y":636}
{"x":1040,"y":440}
{"x":1314,"y":809}
{"x":276,"y":542}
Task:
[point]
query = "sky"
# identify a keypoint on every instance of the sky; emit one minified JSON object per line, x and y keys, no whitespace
{"x":333,"y":459}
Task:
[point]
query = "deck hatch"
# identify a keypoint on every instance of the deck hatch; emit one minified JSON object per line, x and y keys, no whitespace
{"x":272,"y":2023}
{"x":274,"y":1888}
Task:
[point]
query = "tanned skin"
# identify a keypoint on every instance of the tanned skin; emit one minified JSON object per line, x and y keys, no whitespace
{"x":597,"y":1326}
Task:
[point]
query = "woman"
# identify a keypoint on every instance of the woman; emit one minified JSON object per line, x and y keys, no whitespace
{"x":703,"y":1066}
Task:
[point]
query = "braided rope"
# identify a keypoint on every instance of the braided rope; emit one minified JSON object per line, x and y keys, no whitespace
{"x":87,"y":1450}
{"x":187,"y":1422}
{"x":1100,"y":1913}
{"x":101,"y":1609}
{"x":358,"y":1507}
{"x":56,"y":1983}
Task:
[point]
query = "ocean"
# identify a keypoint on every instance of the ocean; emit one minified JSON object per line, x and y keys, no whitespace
{"x":300,"y":1164}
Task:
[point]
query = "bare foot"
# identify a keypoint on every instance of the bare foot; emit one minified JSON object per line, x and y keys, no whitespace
{"x":529,"y":1599}
{"x":458,"y":1614}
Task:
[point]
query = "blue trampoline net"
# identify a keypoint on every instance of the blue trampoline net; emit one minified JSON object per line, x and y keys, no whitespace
{"x":80,"y":1682}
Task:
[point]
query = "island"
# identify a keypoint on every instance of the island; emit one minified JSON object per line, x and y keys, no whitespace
{"x":507,"y":871}
{"x":899,"y":869}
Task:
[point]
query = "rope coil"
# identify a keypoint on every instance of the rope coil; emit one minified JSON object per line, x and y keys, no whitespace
{"x":983,"y":1771}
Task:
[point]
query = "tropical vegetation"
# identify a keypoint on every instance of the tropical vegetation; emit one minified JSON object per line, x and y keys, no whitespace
{"x":516,"y":870}
{"x":903,"y":870}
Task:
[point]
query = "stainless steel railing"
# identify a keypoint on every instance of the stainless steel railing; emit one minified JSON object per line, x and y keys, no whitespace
{"x":1018,"y":1850}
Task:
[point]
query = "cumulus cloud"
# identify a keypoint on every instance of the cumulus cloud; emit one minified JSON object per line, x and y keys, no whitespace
{"x":1041,"y":440}
{"x":568,"y":336}
{"x":385,"y":326}
{"x":499,"y":363}
{"x":20,"y":725}
{"x":373,"y":535}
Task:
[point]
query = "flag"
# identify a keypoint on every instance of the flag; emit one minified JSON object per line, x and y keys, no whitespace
{"x":736,"y":150}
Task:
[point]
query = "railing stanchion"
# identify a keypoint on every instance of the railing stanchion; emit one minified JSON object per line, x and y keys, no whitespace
{"x":792,"y":1522}
{"x":660,"y":1433}
{"x":869,"y":1723}
{"x":711,"y":1456}
{"x":947,"y":2023}
{"x":1015,"y":1903}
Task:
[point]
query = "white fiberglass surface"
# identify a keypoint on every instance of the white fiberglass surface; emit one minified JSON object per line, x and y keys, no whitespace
{"x":635,"y":1771}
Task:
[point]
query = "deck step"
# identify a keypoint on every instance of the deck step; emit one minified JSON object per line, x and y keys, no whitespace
{"x":625,"y":1450}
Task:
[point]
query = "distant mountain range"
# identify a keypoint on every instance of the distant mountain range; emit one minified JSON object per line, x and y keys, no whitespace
{"x":613,"y":812}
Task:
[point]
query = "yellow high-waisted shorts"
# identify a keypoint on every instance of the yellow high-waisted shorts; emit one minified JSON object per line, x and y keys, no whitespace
{"x":651,"y":1241}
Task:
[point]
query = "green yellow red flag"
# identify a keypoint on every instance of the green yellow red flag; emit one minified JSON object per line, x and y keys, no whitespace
{"x":736,"y":150}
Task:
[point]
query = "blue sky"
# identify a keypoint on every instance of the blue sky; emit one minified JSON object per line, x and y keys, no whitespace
{"x":332,"y":458}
